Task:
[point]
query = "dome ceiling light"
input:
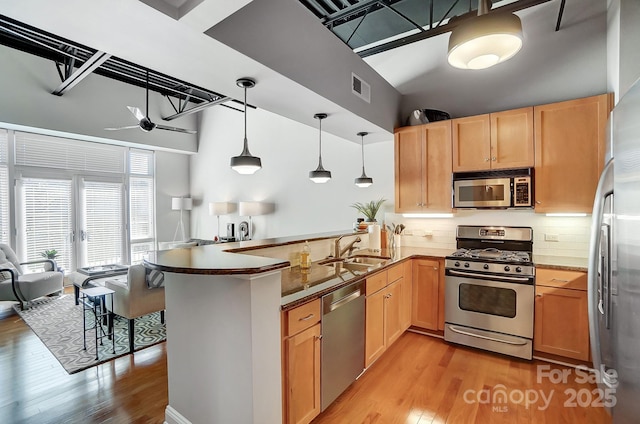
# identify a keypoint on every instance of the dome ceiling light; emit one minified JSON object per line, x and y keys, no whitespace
{"x":486,"y":40}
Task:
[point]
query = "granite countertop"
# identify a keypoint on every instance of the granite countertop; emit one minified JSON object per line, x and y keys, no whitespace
{"x":300,"y":286}
{"x":566,"y":263}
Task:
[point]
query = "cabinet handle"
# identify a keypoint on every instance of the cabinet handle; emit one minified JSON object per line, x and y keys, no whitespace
{"x":539,"y":295}
{"x":307,"y":318}
{"x":486,"y":159}
{"x":493,"y":158}
{"x":435,"y":267}
{"x":538,"y":202}
{"x":319,"y":337}
{"x":559,"y":280}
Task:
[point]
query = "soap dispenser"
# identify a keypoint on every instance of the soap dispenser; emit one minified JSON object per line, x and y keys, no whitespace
{"x":305,"y":256}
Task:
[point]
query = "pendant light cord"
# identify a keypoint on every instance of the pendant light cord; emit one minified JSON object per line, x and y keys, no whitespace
{"x":320,"y":143}
{"x":246,"y":147}
{"x":362,"y":148}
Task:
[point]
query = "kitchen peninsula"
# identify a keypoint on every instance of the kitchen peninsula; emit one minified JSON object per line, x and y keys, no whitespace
{"x":227,"y":306}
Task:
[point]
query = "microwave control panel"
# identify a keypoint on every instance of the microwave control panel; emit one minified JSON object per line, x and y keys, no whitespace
{"x":522,"y":191}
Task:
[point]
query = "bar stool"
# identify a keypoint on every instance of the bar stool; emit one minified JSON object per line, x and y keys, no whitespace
{"x":94,"y":300}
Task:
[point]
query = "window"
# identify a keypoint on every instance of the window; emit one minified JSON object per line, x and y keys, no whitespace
{"x":4,"y":187}
{"x":81,"y":199}
{"x":141,"y":197}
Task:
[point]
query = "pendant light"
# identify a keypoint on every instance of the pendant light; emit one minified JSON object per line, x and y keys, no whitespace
{"x":486,"y":40}
{"x":363,"y":180}
{"x":245,"y":163}
{"x":320,"y":175}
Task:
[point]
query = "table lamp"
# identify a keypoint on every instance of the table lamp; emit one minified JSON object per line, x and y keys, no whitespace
{"x":221,"y":208}
{"x":181,"y":204}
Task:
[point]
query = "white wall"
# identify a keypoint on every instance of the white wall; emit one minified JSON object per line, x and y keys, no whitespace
{"x":289,"y":150}
{"x":623,"y":55}
{"x":172,"y":180}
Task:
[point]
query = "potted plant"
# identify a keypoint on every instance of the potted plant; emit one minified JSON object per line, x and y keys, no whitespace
{"x":369,"y":210}
{"x":51,"y":254}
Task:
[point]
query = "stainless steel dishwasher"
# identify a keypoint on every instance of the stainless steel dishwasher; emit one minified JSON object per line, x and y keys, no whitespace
{"x":342,"y":356}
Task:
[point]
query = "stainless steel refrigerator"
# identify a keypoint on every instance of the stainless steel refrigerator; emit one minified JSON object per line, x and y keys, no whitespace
{"x":614,"y":266}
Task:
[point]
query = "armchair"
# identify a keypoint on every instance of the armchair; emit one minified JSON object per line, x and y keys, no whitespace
{"x":23,"y":287}
{"x":133,"y":298}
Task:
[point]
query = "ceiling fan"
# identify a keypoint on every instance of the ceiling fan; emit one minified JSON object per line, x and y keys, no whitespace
{"x":144,"y":123}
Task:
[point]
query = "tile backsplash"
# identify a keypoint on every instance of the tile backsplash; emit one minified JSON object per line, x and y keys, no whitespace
{"x":557,"y":236}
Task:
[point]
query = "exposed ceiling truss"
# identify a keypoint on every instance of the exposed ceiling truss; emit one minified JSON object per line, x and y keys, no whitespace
{"x":375,"y":26}
{"x":75,"y":62}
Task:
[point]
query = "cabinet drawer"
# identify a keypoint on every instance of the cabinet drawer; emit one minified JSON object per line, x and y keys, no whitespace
{"x":394,"y":273}
{"x":376,"y":282}
{"x":302,"y":317}
{"x":575,"y":280}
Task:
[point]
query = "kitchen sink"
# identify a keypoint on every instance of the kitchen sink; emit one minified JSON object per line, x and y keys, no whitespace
{"x":369,"y":260}
{"x":356,"y":264}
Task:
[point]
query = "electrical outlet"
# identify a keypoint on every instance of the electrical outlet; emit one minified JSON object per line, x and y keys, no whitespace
{"x":551,"y":237}
{"x":428,"y":233}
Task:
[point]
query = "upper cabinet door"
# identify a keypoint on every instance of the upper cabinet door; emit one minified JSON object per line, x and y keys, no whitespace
{"x":471,"y":143}
{"x":569,"y":144}
{"x":423,"y":168}
{"x":512,"y":139}
{"x":409,"y":165}
{"x":437,"y":136}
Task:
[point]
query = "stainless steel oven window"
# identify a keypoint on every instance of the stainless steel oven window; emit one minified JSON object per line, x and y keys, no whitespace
{"x":495,"y":192}
{"x":487,"y":300}
{"x":482,"y":193}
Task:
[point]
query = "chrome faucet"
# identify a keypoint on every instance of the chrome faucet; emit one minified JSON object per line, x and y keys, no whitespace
{"x":338,"y":252}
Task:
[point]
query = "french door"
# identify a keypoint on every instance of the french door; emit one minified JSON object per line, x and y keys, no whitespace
{"x":82,"y":217}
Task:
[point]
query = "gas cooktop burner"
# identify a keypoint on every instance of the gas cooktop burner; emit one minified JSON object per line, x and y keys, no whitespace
{"x":492,"y":254}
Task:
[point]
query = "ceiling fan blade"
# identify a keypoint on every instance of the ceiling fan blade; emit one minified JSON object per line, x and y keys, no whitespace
{"x":123,"y":128}
{"x":136,"y":112}
{"x":182,"y":130}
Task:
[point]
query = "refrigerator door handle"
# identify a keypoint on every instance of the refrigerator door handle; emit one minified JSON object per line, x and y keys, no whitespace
{"x":595,"y":287}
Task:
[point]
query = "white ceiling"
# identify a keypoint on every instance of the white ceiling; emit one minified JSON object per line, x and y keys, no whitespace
{"x":175,"y":44}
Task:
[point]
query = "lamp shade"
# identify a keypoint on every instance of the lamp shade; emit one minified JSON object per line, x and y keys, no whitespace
{"x":221,"y":208}
{"x":251,"y":208}
{"x":181,"y":203}
{"x":485,"y":40}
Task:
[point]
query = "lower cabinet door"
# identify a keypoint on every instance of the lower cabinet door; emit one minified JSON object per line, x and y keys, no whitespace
{"x":303,"y":377}
{"x":393,"y":312}
{"x":425,"y":278}
{"x":375,"y":343}
{"x":561,"y":322}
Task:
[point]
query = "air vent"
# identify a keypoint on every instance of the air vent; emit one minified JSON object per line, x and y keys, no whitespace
{"x":360,"y":88}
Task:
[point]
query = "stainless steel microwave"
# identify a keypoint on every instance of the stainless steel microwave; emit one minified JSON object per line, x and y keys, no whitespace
{"x":499,"y":190}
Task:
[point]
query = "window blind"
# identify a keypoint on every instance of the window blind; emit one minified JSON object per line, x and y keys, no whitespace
{"x":46,"y":218}
{"x":63,"y":153}
{"x":4,"y":187}
{"x":103,"y":223}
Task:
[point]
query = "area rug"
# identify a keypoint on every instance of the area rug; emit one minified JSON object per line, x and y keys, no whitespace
{"x":57,"y":321}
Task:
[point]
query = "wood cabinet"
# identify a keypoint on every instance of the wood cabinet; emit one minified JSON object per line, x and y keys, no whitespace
{"x":426,"y":293}
{"x":561,"y":318}
{"x":423,"y":168}
{"x":407,"y":293}
{"x":387,"y":306}
{"x":301,"y":363}
{"x":569,"y":153}
{"x":498,"y":140}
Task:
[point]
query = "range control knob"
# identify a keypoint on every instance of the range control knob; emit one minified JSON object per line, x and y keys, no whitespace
{"x":456,"y":264}
{"x":485,"y":266}
{"x":507,"y":268}
{"x":518,"y":269}
{"x":466,"y":264}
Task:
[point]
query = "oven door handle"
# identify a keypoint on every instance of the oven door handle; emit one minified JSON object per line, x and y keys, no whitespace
{"x":496,"y":277}
{"x":480,"y":336}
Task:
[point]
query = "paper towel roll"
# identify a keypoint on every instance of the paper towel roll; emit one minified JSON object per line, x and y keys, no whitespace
{"x":374,"y":237}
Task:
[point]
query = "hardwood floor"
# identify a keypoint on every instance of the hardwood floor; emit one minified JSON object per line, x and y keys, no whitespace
{"x":35,"y":389}
{"x":419,"y":380}
{"x":422,"y":380}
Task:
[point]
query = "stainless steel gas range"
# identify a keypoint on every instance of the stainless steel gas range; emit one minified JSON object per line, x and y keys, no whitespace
{"x":490,"y":290}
